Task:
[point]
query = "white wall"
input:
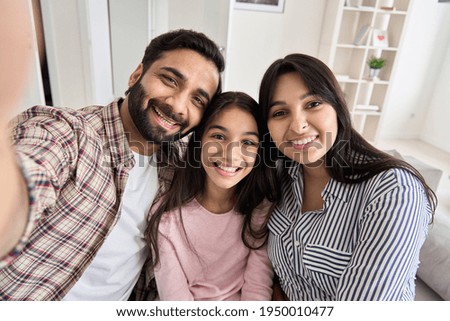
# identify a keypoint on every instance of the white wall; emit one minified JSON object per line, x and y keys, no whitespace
{"x":436,"y":129}
{"x":259,"y":38}
{"x":419,"y":103}
{"x":130,"y":35}
{"x":97,"y":60}
{"x":78,"y":56}
{"x":419,"y":63}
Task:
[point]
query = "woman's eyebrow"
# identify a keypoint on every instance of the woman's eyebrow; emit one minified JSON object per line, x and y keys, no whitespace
{"x":281,"y":102}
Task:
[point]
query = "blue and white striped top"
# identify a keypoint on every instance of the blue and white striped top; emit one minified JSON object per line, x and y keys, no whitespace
{"x":363,"y":245}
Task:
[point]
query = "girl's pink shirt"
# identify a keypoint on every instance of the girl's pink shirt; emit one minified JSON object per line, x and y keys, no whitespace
{"x":212,"y":263}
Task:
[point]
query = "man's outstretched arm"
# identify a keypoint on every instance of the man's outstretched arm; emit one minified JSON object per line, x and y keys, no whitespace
{"x":15,"y":35}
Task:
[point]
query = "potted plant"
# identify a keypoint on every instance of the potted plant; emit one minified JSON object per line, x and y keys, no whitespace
{"x":375,"y":64}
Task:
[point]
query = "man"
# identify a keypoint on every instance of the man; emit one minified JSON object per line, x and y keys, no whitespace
{"x":88,"y":178}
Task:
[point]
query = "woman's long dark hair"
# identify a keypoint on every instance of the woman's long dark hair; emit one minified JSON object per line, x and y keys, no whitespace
{"x":190,"y":177}
{"x":351,"y":159}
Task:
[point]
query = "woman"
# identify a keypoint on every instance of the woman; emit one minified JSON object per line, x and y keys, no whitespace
{"x":208,"y":231}
{"x":352,"y":219}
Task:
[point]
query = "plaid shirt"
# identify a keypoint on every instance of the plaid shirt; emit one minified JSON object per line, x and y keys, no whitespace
{"x":76,"y":163}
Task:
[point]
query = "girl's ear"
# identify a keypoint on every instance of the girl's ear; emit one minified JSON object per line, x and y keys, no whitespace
{"x":136,"y":75}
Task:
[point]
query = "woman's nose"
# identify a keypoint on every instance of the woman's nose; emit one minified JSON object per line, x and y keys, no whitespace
{"x":299,"y":122}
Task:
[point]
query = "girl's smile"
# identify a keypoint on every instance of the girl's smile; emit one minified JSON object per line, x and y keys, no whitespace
{"x":229,"y":148}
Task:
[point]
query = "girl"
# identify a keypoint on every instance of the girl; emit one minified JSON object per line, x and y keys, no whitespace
{"x":208,"y":230}
{"x":352,"y":219}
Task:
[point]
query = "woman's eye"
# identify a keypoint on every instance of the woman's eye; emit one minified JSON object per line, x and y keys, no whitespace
{"x":218,"y":136}
{"x":278,"y":113}
{"x":313,"y":104}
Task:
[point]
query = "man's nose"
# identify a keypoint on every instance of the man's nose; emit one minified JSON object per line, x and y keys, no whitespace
{"x":179,"y":103}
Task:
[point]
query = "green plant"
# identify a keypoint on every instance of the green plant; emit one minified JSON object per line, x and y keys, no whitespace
{"x":376,"y":62}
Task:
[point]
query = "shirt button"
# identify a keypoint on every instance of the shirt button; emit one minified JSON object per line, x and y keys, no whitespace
{"x":297,"y":243}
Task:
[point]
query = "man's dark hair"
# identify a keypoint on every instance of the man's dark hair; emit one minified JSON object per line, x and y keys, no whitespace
{"x":183,"y":39}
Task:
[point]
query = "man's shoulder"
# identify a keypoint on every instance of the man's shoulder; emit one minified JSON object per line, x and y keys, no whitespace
{"x":40,"y":113}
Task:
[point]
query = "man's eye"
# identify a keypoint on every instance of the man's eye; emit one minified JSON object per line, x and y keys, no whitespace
{"x":198,"y":102}
{"x":169,"y":80}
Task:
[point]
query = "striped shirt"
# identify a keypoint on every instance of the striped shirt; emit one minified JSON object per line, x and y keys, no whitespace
{"x":76,"y":164}
{"x":363,"y":245}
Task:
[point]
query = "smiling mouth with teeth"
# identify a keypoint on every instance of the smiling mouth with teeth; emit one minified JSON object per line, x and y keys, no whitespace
{"x":164,"y":119}
{"x":304,"y":141}
{"x":227,"y":169}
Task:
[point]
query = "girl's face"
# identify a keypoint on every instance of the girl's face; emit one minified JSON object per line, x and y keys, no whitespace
{"x":302,"y":126}
{"x":229,"y":147}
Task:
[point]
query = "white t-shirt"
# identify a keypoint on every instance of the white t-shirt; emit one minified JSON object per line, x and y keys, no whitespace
{"x":117,"y":265}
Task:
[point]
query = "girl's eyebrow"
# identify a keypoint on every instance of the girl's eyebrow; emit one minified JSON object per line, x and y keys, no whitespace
{"x":226,"y":130}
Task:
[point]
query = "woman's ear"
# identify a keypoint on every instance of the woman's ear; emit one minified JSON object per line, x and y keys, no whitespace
{"x":136,"y":75}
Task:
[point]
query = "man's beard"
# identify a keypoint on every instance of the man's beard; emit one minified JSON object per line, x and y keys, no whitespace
{"x":140,"y":115}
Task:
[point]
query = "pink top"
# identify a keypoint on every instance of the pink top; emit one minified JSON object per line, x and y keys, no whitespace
{"x":212,"y":263}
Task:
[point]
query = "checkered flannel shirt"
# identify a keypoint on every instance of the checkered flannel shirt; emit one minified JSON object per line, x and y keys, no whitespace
{"x":76,"y":164}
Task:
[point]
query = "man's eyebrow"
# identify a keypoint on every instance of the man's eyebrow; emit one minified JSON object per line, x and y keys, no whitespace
{"x":174,"y":71}
{"x":203,"y":93}
{"x":182,"y":77}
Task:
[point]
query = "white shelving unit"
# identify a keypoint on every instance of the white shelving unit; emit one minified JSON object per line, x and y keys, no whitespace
{"x":344,"y":22}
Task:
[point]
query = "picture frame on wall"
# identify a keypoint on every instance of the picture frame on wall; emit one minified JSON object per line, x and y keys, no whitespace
{"x":380,"y":38}
{"x":276,"y":6}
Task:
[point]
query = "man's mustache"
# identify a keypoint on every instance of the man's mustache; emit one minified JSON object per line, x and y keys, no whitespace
{"x":167,"y":110}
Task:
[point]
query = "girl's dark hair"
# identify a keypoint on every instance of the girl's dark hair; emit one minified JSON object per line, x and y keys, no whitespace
{"x":351,"y":159}
{"x":183,"y":39}
{"x":190,"y":177}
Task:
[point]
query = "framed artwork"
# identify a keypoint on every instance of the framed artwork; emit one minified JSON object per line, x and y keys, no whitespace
{"x":260,"y":5}
{"x":380,"y":38}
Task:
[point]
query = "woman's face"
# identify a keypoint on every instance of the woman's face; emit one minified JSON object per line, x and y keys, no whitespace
{"x":302,"y":126}
{"x":229,"y":147}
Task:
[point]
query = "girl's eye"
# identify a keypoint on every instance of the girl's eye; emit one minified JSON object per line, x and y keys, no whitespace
{"x":249,"y":142}
{"x":218,"y":136}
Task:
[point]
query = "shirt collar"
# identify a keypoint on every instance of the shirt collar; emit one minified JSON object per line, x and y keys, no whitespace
{"x":293,"y":168}
{"x":120,"y":151}
{"x":333,"y":188}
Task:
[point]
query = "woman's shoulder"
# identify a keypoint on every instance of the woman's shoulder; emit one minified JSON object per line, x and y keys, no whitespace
{"x":397,"y":176}
{"x":377,"y":185}
{"x":398,"y":180}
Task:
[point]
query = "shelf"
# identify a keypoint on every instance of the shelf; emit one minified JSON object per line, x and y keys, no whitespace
{"x":392,"y":12}
{"x":349,"y":46}
{"x":368,"y":113}
{"x":360,"y":9}
{"x":347,"y":42}
{"x":374,"y":81}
